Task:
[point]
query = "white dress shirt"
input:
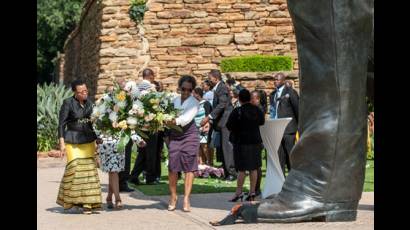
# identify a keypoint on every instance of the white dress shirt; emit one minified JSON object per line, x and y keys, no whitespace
{"x":145,"y":85}
{"x":189,"y":108}
{"x":278,"y":94}
{"x":209,"y":96}
{"x":216,"y":86}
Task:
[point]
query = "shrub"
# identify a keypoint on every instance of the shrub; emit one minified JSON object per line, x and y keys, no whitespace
{"x":49,"y":100}
{"x":137,"y":10}
{"x":256,"y":63}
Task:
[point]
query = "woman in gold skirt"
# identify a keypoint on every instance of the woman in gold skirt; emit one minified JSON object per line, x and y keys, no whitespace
{"x":80,"y":186}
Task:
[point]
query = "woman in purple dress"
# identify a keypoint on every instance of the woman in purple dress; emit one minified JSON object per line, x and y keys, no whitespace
{"x":183,"y":146}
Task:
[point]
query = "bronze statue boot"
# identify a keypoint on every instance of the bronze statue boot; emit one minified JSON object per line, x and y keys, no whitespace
{"x":301,"y":208}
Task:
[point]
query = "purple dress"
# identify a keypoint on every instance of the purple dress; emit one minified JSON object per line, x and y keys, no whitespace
{"x":183,"y":149}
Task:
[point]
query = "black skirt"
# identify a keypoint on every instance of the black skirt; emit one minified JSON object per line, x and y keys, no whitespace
{"x":247,"y":157}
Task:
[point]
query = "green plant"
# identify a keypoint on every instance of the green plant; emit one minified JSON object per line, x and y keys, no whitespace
{"x":137,"y":10}
{"x":49,"y":100}
{"x":256,"y":63}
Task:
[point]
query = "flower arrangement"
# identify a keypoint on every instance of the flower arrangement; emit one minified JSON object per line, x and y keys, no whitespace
{"x":206,"y":171}
{"x":125,"y":110}
{"x":153,"y":110}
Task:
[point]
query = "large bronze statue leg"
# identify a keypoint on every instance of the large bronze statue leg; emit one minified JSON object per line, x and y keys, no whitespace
{"x":326,"y":181}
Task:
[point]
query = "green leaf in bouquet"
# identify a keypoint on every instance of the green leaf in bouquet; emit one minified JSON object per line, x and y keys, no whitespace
{"x":124,"y":139}
{"x":142,"y":134}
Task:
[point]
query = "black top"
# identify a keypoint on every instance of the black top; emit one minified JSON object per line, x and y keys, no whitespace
{"x":74,"y":124}
{"x":244,"y":124}
{"x":207,"y":107}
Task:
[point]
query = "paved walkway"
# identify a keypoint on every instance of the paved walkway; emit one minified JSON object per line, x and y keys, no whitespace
{"x":149,"y":212}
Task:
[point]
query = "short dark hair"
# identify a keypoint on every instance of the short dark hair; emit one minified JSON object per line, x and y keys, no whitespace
{"x":76,"y":83}
{"x":199,"y":91}
{"x":187,"y":78}
{"x":209,"y":83}
{"x":158,"y":86}
{"x":216,"y":73}
{"x":244,"y":95}
{"x":230,"y":81}
{"x":147,"y":72}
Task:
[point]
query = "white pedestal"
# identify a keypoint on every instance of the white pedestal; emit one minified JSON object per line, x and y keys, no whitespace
{"x":272,"y":133}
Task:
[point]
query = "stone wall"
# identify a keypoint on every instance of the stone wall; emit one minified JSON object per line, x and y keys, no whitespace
{"x":124,"y":49}
{"x":176,"y":37}
{"x":191,"y":36}
{"x":82,"y":48}
{"x":58,"y":75}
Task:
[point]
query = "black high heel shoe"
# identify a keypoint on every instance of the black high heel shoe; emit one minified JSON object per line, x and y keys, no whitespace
{"x":236,"y":198}
{"x":110,"y":205}
{"x":250,"y":197}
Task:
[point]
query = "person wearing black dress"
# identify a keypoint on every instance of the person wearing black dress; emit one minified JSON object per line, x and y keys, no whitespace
{"x":243,"y":123}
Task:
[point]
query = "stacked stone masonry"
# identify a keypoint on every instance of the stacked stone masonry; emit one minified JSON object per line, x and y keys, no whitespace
{"x":176,"y":37}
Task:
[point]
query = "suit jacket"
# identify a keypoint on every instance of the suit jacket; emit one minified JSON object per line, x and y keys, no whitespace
{"x":73,"y":122}
{"x":288,"y":107}
{"x":222,"y":106}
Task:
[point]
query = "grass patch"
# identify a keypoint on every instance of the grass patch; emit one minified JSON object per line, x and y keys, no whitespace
{"x":369,"y":179}
{"x":215,"y":185}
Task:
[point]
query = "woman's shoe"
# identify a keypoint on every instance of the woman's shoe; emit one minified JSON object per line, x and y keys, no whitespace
{"x":251,"y":197}
{"x":87,"y":211}
{"x":110,"y":205}
{"x":236,"y":198}
{"x":118,"y":204}
{"x":187,"y":207}
{"x":172,"y":207}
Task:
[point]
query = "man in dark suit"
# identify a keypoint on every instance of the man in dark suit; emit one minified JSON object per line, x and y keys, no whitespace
{"x":222,"y":108}
{"x":147,"y":159}
{"x":286,"y":103}
{"x":124,"y":175}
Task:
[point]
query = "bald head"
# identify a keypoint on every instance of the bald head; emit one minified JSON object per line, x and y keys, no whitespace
{"x":279,"y":79}
{"x":148,"y":74}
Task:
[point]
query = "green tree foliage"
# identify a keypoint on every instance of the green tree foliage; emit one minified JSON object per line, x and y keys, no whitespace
{"x":55,"y":20}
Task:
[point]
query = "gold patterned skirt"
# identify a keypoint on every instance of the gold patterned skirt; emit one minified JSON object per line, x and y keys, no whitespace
{"x":80,"y":186}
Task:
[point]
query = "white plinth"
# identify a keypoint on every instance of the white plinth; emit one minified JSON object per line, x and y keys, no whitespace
{"x":272,"y":133}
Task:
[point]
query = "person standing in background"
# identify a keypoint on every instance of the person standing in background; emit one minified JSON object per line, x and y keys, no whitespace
{"x":204,"y":110}
{"x":208,"y":92}
{"x":222,"y":107}
{"x":286,"y":103}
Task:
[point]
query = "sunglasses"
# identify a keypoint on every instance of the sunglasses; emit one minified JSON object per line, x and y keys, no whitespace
{"x":82,"y":92}
{"x":183,"y":89}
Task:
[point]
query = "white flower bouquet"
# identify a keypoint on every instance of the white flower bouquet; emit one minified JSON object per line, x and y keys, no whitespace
{"x":123,"y":111}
